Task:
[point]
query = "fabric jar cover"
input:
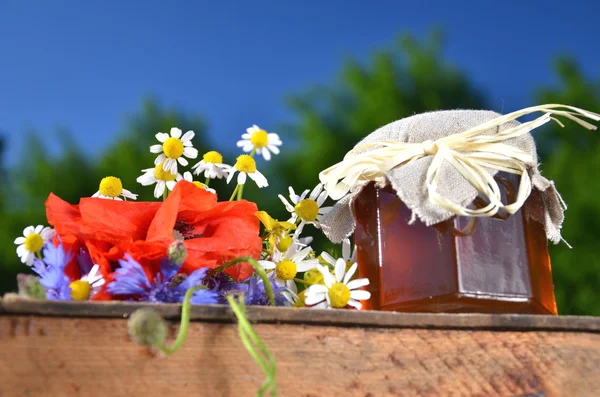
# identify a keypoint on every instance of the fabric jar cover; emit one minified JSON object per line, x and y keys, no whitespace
{"x":439,"y":162}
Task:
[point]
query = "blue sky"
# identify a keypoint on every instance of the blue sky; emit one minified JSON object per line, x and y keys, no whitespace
{"x":85,"y":65}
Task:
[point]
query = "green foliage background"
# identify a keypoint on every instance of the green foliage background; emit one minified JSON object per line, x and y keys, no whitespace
{"x":407,"y":78}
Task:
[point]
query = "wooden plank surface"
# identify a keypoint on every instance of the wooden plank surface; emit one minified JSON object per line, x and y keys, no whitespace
{"x":77,"y":349}
{"x":15,"y":304}
{"x":54,"y":356}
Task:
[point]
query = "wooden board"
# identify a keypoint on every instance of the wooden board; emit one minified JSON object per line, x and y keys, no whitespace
{"x":82,"y":349}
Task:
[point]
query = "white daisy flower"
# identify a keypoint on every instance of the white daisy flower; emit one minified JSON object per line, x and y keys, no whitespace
{"x":111,"y":188}
{"x":339,"y":290}
{"x":291,"y":298}
{"x":173,"y":149}
{"x":163,"y":179}
{"x":212,"y":166}
{"x":88,"y":285}
{"x":187,"y":176}
{"x":259,"y":140}
{"x":32,"y":242}
{"x":247,"y":167}
{"x":308,"y":210}
{"x":287,"y":265}
{"x":348,"y":255}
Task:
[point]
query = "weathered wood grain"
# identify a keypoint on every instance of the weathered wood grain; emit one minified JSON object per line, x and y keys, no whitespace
{"x":53,"y":356}
{"x":79,"y":349}
{"x":13,"y":303}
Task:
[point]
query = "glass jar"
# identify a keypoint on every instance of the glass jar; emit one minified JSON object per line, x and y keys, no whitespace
{"x":484,"y":265}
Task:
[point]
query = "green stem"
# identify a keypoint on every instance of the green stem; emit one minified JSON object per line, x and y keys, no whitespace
{"x":249,"y":337}
{"x":257,"y":268}
{"x":39,"y":255}
{"x":300,"y":281}
{"x":234,"y":192}
{"x":207,"y":181}
{"x":253,"y":152}
{"x":240,"y":192}
{"x":185,"y":322}
{"x":165,"y":193}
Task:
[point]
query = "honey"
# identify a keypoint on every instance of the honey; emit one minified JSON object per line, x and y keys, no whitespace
{"x":484,"y":265}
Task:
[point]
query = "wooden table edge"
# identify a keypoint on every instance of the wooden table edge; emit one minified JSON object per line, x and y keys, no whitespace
{"x":13,"y":304}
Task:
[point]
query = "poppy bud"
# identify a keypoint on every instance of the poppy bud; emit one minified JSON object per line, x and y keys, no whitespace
{"x":147,"y":328}
{"x":30,"y":286}
{"x":177,"y":252}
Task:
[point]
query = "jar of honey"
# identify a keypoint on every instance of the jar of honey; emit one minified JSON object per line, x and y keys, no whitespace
{"x":487,"y":265}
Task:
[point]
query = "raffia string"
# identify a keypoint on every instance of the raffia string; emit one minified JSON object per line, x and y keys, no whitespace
{"x":469,"y":152}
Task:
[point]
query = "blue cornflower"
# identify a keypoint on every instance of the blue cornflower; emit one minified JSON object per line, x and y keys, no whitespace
{"x":52,"y":272}
{"x":168,"y":286}
{"x":255,"y":293}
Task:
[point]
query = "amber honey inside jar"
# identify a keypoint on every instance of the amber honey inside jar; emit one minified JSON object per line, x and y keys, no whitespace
{"x":487,"y":265}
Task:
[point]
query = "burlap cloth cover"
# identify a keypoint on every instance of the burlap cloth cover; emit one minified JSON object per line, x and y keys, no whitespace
{"x":409,"y":179}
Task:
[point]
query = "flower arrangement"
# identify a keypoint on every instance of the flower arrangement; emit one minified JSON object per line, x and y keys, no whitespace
{"x":190,"y":247}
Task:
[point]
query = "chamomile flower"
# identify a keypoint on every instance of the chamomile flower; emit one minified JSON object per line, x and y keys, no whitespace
{"x":173,"y":149}
{"x":258,"y":139}
{"x":306,"y":209}
{"x":187,"y":176}
{"x":163,"y":179}
{"x":347,"y":255}
{"x":32,"y":241}
{"x":88,"y":285}
{"x":247,"y":167}
{"x":212,"y":166}
{"x":338,"y":290}
{"x":111,"y":188}
{"x":289,"y":263}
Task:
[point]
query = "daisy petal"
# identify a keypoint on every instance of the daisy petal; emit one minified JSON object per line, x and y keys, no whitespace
{"x":346,"y":249}
{"x":176,"y":132}
{"x":328,"y":258}
{"x":354,"y":303}
{"x":316,"y":191}
{"x":360,"y":295}
{"x":156,"y":149}
{"x":188,"y":136}
{"x":350,"y":272}
{"x":358,"y":283}
{"x":315,"y":298}
{"x":266,"y":155}
{"x":190,"y":152}
{"x":241,"y":179}
{"x":340,"y":270}
{"x":162,"y":137}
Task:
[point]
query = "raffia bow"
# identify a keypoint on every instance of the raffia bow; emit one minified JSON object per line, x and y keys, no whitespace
{"x":470,"y":152}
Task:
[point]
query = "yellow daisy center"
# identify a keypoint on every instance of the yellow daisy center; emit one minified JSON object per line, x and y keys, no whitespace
{"x":314,"y":276}
{"x":245,"y":163}
{"x":173,"y":148}
{"x":339,"y":295}
{"x":259,"y":138}
{"x":213,"y":157}
{"x":111,"y":186}
{"x":34,"y":242}
{"x":285,"y":270}
{"x":163,"y":175}
{"x":307,"y":210}
{"x":284,"y":243}
{"x":80,"y":290}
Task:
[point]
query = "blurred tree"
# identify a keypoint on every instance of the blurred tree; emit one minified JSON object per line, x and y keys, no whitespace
{"x":571,"y":156}
{"x":73,"y":175}
{"x":410,"y":77}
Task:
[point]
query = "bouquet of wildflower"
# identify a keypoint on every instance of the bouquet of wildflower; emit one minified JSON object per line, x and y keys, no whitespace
{"x":111,"y":247}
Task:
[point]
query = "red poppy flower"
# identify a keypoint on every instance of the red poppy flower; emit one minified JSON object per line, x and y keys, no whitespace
{"x":100,"y":226}
{"x":213,"y":232}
